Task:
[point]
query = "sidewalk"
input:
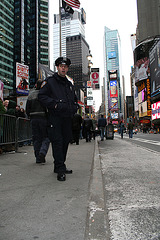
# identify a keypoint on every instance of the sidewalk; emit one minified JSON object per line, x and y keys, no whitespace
{"x":34,"y":205}
{"x":113,"y":194}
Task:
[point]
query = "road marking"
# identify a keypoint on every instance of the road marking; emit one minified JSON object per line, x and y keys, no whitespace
{"x":144,"y":140}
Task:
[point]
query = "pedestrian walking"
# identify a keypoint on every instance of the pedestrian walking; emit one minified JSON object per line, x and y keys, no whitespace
{"x":76,"y":127}
{"x":121,"y":128}
{"x":87,"y":128}
{"x":58,"y":96}
{"x":130,"y":128}
{"x":37,"y":113}
{"x":101,"y":125}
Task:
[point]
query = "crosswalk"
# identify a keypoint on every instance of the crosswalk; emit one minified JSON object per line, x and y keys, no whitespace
{"x":141,"y":140}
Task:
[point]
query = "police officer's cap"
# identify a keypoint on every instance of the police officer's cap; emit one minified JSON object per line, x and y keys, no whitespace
{"x":62,"y":60}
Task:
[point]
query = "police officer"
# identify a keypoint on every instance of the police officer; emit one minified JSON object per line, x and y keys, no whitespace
{"x":37,"y":113}
{"x":58,"y":95}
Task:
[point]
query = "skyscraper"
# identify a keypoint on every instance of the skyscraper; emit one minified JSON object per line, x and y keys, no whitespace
{"x":148,"y":19}
{"x":71,"y":25}
{"x":113,"y":83}
{"x":31,"y":35}
{"x":7,"y":43}
{"x":23,"y":39}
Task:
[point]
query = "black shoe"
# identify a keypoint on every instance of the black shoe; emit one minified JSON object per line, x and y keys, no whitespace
{"x":61,"y":177}
{"x":66,"y":172}
{"x":42,"y":158}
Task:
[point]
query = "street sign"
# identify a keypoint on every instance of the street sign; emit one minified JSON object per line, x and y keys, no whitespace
{"x":89,"y":84}
{"x":95,"y":78}
{"x":89,"y":97}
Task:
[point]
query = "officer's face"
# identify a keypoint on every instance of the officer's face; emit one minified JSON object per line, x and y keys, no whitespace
{"x":62,"y":70}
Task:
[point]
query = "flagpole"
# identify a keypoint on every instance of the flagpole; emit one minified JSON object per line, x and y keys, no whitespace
{"x":60,"y":32}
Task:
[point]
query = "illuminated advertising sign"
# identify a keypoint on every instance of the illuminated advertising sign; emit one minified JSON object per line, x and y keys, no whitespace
{"x":154,"y":57}
{"x":144,"y":98}
{"x":111,"y":55}
{"x":22,"y":78}
{"x":113,"y":103}
{"x":142,"y":69}
{"x":156,"y":110}
{"x":113,"y":89}
{"x":114,"y":115}
{"x":112,"y":74}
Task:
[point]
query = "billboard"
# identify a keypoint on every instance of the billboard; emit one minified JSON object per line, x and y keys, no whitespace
{"x":142,"y":70}
{"x":1,"y":90}
{"x":144,"y":98}
{"x":22,"y":78}
{"x":21,"y":101}
{"x":112,"y":74}
{"x":113,"y":89}
{"x":113,"y":103}
{"x":111,"y":55}
{"x":156,"y":110}
{"x":154,"y":57}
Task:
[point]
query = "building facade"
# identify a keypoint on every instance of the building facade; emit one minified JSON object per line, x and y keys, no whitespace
{"x":71,"y":25}
{"x":7,"y":44}
{"x":77,"y":50}
{"x":113,"y":83}
{"x":146,"y":55}
{"x":148,"y":19}
{"x":24,"y":39}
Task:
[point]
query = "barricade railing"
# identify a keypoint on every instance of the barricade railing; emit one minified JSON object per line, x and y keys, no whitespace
{"x":14,"y":130}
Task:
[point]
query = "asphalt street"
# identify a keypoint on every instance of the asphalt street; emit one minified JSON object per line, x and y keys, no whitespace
{"x":113,"y":194}
{"x":131,"y":181}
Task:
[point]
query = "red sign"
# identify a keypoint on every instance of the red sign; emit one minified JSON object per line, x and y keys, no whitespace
{"x":95,"y":77}
{"x":89,"y":84}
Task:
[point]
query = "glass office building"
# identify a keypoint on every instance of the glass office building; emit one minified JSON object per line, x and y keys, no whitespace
{"x":6,"y":43}
{"x":112,"y":72}
{"x":24,"y":38}
{"x":71,"y":25}
{"x":31,"y":35}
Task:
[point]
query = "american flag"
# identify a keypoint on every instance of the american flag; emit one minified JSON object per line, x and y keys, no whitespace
{"x":73,"y":3}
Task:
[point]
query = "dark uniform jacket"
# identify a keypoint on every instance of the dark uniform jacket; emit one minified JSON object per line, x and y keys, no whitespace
{"x":34,"y":109}
{"x":58,"y":95}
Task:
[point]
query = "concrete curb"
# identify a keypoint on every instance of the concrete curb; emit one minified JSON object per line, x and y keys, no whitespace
{"x":96,"y":225}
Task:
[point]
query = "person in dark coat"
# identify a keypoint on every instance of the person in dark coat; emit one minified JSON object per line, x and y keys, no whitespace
{"x":121,"y":128}
{"x":87,"y":128}
{"x":76,"y":127}
{"x":58,"y":96}
{"x":101,"y":125}
{"x":130,"y":128}
{"x":37,"y":113}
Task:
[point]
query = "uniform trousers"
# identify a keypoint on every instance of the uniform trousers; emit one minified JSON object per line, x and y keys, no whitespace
{"x":60,"y":133}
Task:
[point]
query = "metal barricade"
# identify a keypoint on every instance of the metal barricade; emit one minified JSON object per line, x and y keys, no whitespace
{"x":23,"y":130}
{"x":14,"y":130}
{"x":7,"y":129}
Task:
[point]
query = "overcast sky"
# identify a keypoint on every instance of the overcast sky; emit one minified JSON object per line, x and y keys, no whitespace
{"x":118,"y":15}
